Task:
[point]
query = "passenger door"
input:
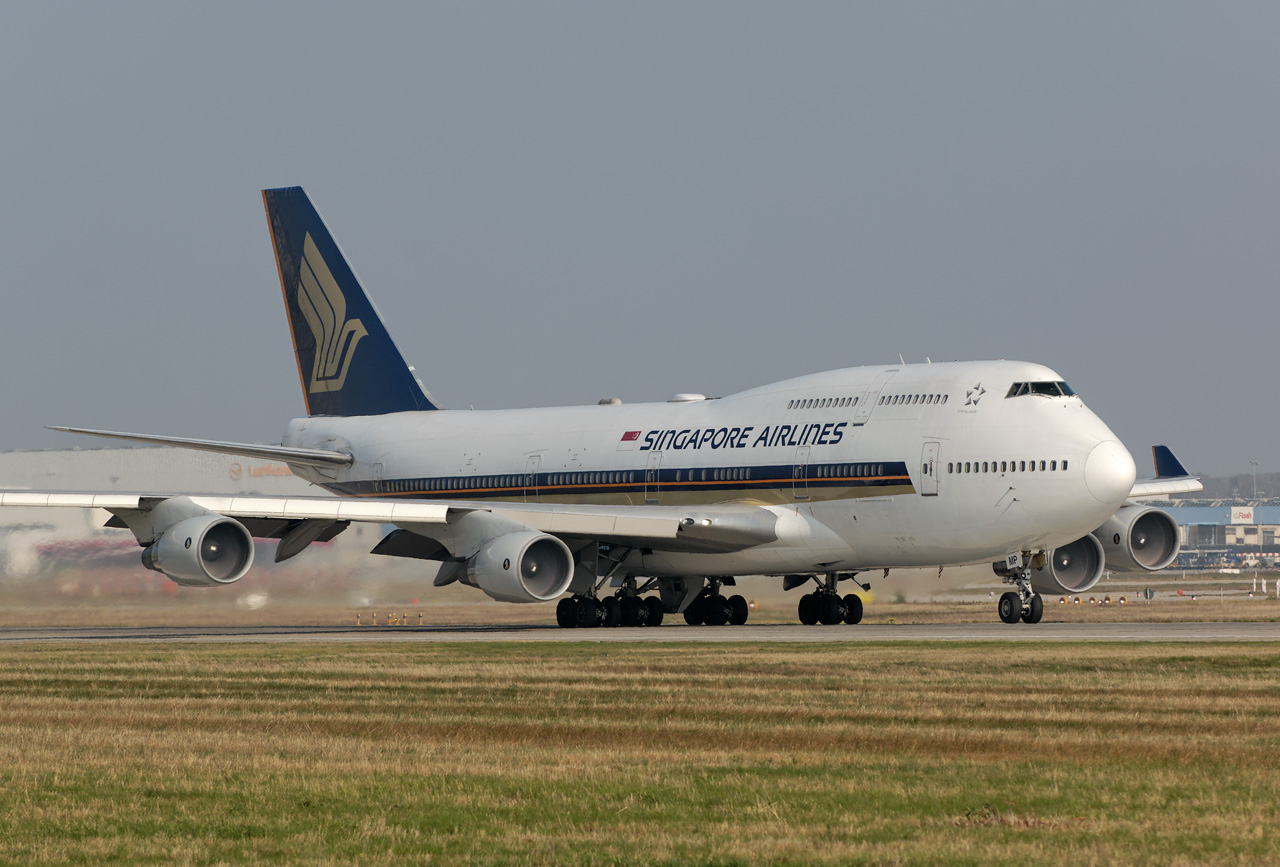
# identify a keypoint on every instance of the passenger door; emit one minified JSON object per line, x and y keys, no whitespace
{"x":870,"y":398}
{"x":929,"y":467}
{"x":652,"y":475}
{"x":531,"y":478}
{"x":800,"y":474}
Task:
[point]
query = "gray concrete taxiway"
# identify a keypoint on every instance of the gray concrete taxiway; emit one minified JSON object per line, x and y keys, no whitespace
{"x":993,"y":632}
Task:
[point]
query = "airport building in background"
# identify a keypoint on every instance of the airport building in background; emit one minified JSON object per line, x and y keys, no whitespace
{"x":1226,"y":533}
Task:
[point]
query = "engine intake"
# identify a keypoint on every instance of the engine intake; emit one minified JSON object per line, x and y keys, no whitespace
{"x":522,"y":567}
{"x":1140,"y":539}
{"x":203,"y":551}
{"x":1072,"y":568}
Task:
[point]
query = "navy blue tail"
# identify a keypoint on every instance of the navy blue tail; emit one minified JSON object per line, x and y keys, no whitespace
{"x":1167,"y":466}
{"x":348,"y":363}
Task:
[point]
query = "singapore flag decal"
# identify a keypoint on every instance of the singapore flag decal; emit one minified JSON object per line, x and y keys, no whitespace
{"x":629,"y":440}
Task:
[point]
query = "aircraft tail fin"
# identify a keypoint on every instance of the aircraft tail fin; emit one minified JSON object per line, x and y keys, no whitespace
{"x":347,"y":361}
{"x":1167,"y":466}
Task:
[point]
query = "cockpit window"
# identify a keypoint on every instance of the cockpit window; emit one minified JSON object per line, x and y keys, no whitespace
{"x":1045,"y":389}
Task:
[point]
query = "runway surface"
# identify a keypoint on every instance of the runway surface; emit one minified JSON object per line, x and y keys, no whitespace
{"x":994,"y":632}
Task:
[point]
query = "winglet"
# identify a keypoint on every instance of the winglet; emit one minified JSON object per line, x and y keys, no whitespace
{"x":1167,"y":466}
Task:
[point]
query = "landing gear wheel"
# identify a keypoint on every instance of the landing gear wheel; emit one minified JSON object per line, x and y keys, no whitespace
{"x":1010,"y":607}
{"x":653,"y":611}
{"x":586,"y":613}
{"x":1035,"y":610}
{"x":716,"y":610}
{"x":830,"y":609}
{"x":630,"y":607}
{"x":853,"y":609}
{"x":566,"y":612}
{"x":808,"y":609}
{"x":611,"y":612}
{"x":738,"y":610}
{"x":696,"y":612}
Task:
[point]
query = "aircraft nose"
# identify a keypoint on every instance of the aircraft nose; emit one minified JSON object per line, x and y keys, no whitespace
{"x":1109,"y":472}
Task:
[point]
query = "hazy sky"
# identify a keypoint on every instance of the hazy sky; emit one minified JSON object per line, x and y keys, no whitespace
{"x":554,"y":203}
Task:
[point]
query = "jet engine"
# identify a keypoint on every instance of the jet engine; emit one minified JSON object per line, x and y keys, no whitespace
{"x":1139,"y":538}
{"x":1072,"y":568}
{"x":203,"y":551}
{"x":522,"y":567}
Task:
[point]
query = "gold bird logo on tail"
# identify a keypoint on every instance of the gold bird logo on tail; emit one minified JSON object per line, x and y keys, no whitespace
{"x":325,"y":309}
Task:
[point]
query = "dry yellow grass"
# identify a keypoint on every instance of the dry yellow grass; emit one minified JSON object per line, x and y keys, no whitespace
{"x":583,"y":753}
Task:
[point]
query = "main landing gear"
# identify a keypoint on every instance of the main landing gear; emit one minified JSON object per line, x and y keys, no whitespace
{"x":712,"y":609}
{"x":584,"y":612}
{"x":1023,"y":603}
{"x":825,"y":605}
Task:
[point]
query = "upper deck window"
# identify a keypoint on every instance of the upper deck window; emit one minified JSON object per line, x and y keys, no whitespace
{"x":1044,"y":389}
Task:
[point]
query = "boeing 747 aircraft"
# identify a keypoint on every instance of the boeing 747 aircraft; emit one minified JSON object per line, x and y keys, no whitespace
{"x":627,"y":513}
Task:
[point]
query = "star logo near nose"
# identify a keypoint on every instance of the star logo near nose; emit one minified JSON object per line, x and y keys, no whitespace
{"x":973,"y":395}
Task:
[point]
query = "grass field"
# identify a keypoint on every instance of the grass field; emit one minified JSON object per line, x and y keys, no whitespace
{"x":592,"y":754}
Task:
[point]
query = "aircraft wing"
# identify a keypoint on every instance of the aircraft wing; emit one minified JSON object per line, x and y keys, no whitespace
{"x":714,"y":528}
{"x":306,"y":457}
{"x":1171,"y":477}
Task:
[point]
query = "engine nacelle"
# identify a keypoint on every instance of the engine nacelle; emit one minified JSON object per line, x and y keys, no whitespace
{"x":203,"y":551}
{"x":1072,"y":568}
{"x":1140,"y":539}
{"x":522,"y":567}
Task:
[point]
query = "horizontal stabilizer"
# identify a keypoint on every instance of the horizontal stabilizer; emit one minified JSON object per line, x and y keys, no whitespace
{"x":1171,"y":477}
{"x":303,"y":457}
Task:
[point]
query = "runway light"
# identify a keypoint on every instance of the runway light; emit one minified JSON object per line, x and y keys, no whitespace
{"x":1076,"y":601}
{"x":1121,"y":600}
{"x":1062,"y":600}
{"x":1106,"y":601}
{"x":1093,"y":600}
{"x":752,"y":605}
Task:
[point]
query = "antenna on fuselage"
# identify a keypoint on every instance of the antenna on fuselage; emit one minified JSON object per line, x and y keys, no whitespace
{"x":901,"y":360}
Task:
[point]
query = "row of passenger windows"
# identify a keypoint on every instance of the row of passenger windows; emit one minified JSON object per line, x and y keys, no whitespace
{"x":822,"y":402}
{"x":1005,"y":466}
{"x":558,"y":479}
{"x":896,"y":399}
{"x":458,"y":484}
{"x":837,"y":471}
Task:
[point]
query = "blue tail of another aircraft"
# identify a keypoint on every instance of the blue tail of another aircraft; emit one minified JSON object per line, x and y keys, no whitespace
{"x":347,"y":361}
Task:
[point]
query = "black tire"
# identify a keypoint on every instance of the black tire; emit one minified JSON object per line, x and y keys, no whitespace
{"x":611,"y":612}
{"x":830,"y":609}
{"x":1010,"y":607}
{"x":630,"y":606}
{"x":716,"y":610}
{"x":738,"y":610}
{"x":1034,"y":611}
{"x":808,"y":609}
{"x":653,"y":611}
{"x":566,"y":612}
{"x":852,"y":609}
{"x":586,"y":613}
{"x":695,"y":611}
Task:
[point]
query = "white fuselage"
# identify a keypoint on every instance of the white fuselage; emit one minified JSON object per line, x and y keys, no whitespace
{"x":868,"y":467}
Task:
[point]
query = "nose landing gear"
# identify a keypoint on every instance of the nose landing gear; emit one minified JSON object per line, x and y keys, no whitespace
{"x":1023,"y":603}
